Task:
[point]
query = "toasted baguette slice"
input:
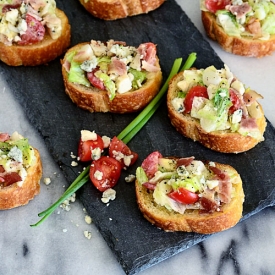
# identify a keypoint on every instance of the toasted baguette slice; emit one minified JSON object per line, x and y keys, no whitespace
{"x":244,"y":46}
{"x":224,"y":141}
{"x":39,"y":53}
{"x":116,"y":9}
{"x":13,"y":195}
{"x":192,"y":220}
{"x":96,"y":100}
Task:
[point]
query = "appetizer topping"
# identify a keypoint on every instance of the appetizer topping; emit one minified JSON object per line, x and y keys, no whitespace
{"x":247,"y":18}
{"x":104,"y":170}
{"x":112,"y":66}
{"x":219,"y":101}
{"x":25,"y":22}
{"x":16,"y":156}
{"x":186,"y":183}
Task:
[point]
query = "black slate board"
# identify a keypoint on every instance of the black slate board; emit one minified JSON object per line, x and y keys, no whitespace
{"x":40,"y":91}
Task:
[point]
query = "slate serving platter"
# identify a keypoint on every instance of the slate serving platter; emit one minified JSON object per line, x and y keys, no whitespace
{"x":135,"y":242}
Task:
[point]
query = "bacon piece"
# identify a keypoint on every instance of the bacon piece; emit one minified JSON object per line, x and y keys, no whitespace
{"x":4,"y":137}
{"x":117,"y":67}
{"x":149,"y":67}
{"x":150,"y":164}
{"x":209,"y":206}
{"x":184,"y":161}
{"x":225,"y":189}
{"x":7,"y":179}
{"x":148,"y":52}
{"x":239,"y":10}
{"x":2,"y":170}
{"x":8,"y":7}
{"x":149,"y":185}
{"x":248,"y":124}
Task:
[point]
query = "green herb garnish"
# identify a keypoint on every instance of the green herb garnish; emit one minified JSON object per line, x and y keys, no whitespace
{"x":126,"y":135}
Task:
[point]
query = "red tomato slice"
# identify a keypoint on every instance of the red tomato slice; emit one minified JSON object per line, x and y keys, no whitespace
{"x":235,"y":101}
{"x":116,"y":147}
{"x":199,"y":91}
{"x":215,"y":5}
{"x":35,"y":31}
{"x":85,"y":148}
{"x":183,"y":195}
{"x":105,"y":172}
{"x":95,"y":81}
{"x":150,"y":164}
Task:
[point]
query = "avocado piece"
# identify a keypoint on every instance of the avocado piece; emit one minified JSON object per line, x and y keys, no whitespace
{"x":166,"y":165}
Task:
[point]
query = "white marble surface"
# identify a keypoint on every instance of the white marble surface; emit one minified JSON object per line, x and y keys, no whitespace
{"x":59,"y":247}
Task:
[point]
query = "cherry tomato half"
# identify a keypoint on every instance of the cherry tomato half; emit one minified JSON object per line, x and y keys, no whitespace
{"x":105,"y":172}
{"x":85,"y":148}
{"x":95,"y":81}
{"x":215,"y":5}
{"x":117,"y":146}
{"x":235,"y":101}
{"x":199,"y":91}
{"x":183,"y":195}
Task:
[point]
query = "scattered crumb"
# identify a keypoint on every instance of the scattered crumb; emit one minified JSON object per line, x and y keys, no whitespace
{"x":65,"y":230}
{"x":88,"y":234}
{"x":130,"y":178}
{"x":66,"y":203}
{"x":47,"y":181}
{"x":74,"y":163}
{"x":110,"y":219}
{"x":88,"y":219}
{"x":107,"y":195}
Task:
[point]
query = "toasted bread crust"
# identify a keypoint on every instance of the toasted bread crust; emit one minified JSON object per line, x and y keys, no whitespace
{"x":13,"y":196}
{"x":116,"y":9}
{"x":192,"y":220}
{"x":236,"y":45}
{"x":95,"y":100}
{"x":39,"y":53}
{"x":221,"y":141}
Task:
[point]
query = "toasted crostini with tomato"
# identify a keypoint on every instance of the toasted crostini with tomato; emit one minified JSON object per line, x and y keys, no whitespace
{"x":111,"y":76}
{"x":213,"y":107}
{"x":32,"y":32}
{"x":242,"y":27}
{"x":107,"y":156}
{"x":20,"y":171}
{"x":185,"y":194}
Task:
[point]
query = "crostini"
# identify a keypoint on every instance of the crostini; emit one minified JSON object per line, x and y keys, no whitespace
{"x":242,"y":27}
{"x":184,"y":194}
{"x":32,"y":32}
{"x":20,"y":171}
{"x":117,"y":9}
{"x":111,"y":76}
{"x":213,"y":107}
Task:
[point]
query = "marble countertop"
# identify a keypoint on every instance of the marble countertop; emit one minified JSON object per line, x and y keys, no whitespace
{"x":59,"y":246}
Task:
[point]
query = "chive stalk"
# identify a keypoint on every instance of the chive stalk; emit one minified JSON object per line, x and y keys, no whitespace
{"x":126,"y":135}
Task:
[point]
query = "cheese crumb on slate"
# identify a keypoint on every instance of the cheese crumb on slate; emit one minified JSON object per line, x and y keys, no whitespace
{"x":47,"y":181}
{"x":88,"y":219}
{"x":130,"y":178}
{"x":107,"y":195}
{"x":88,"y":234}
